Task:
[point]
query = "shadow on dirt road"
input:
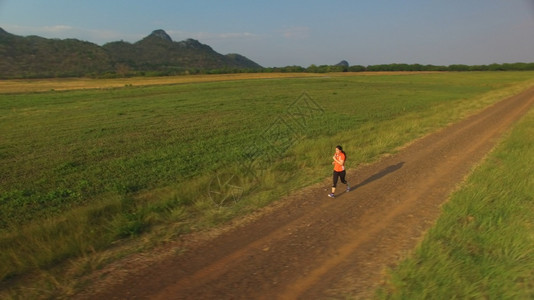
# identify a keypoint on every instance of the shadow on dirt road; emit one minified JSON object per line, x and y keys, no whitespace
{"x":380,"y":174}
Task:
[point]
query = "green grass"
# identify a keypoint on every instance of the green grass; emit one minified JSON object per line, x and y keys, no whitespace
{"x":482,"y":246}
{"x":81,"y":170}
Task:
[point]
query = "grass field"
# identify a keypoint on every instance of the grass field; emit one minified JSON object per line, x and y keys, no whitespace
{"x":83,"y":169}
{"x":482,"y":247}
{"x":66,"y":84}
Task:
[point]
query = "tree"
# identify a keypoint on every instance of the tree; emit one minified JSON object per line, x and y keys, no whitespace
{"x":356,"y":68}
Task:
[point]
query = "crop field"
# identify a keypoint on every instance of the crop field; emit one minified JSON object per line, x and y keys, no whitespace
{"x":81,"y":169}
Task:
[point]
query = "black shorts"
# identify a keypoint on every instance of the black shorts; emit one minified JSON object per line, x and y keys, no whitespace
{"x":340,"y":175}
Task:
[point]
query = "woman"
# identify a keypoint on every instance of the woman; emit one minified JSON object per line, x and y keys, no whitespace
{"x":339,"y":170}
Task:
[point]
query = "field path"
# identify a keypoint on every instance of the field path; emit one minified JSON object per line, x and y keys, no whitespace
{"x":309,"y":246}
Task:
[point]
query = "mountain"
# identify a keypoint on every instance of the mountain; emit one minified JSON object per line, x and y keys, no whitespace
{"x":158,"y":52}
{"x":343,"y":63}
{"x":243,"y":61}
{"x":35,"y":56}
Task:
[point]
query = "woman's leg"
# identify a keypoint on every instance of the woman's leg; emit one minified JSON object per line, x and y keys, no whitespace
{"x":335,"y":176}
{"x":342,"y":177}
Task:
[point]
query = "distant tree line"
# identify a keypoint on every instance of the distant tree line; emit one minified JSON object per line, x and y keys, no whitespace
{"x":355,"y":68}
{"x":403,"y":67}
{"x":327,"y":69}
{"x":124,"y":71}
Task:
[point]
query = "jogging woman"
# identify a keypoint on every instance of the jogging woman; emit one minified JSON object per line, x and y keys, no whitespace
{"x":339,"y":170}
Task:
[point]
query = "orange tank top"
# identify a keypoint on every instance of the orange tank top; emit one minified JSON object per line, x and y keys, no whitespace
{"x":338,"y":167}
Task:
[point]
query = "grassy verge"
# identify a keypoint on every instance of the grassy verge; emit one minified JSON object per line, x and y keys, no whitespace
{"x":83,"y":171}
{"x":482,"y":246}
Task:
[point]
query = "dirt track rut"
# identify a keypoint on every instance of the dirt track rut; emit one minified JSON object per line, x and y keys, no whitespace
{"x":312,"y":247}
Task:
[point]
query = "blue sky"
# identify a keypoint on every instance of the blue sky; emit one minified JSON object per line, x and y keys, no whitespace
{"x":280,"y":33}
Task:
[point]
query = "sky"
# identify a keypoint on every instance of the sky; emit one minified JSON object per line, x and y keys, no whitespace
{"x":279,"y":33}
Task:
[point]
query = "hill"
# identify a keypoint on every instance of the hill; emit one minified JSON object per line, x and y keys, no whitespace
{"x":33,"y":56}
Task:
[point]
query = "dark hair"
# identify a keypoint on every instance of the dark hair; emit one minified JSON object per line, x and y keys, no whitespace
{"x":341,"y":149}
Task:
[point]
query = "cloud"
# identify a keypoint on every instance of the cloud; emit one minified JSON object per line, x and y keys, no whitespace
{"x":181,"y":35}
{"x":66,"y":31}
{"x":56,"y":29}
{"x":238,"y":35}
{"x":44,"y":30}
{"x":296,"y":33}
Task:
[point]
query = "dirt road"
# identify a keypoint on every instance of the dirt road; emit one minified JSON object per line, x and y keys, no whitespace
{"x":309,"y":246}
